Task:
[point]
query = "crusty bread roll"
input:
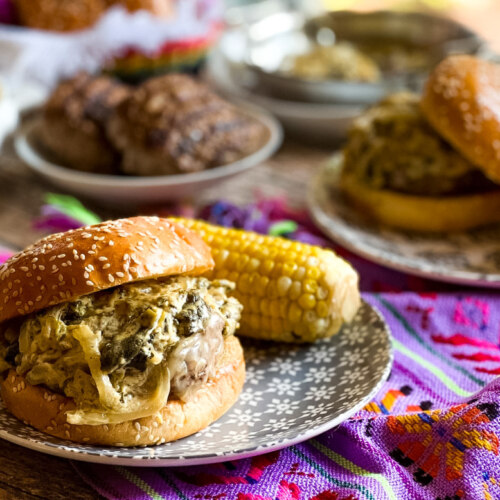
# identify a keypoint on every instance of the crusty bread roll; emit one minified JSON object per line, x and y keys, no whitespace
{"x":57,"y":15}
{"x":72,"y":15}
{"x":461,"y":100}
{"x":46,"y":411}
{"x":65,"y":266}
{"x":74,"y":122}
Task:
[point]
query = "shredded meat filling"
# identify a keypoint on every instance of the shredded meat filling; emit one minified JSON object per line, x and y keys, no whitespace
{"x":391,"y":146}
{"x":140,"y":333}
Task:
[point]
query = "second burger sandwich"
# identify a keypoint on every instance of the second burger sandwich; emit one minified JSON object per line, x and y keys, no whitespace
{"x":108,"y":334}
{"x":430,"y":163}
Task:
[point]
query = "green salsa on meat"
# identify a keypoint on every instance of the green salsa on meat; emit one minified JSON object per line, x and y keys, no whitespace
{"x":392,"y":146}
{"x":120,"y":353}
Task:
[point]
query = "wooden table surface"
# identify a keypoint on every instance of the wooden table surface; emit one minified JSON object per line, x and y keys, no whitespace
{"x":25,"y":474}
{"x":28,"y":474}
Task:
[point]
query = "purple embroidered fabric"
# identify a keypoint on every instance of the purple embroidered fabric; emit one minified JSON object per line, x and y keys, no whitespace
{"x":432,"y":432}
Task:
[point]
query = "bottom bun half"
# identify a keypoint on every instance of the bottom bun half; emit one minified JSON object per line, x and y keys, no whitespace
{"x":46,"y":411}
{"x":423,"y":213}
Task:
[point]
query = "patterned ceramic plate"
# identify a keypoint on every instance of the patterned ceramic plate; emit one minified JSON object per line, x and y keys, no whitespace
{"x":292,"y":393}
{"x":469,"y":258}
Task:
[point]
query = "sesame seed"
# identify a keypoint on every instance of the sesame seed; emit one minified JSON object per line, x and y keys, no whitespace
{"x":86,"y":275}
{"x":120,"y":274}
{"x":91,"y":252}
{"x":52,"y":258}
{"x":111,"y":278}
{"x":61,"y":256}
{"x":111,"y":243}
{"x":89,"y":283}
{"x":107,"y":266}
{"x":61,"y":277}
{"x":102,"y":259}
{"x":24,"y":268}
{"x":42,"y":268}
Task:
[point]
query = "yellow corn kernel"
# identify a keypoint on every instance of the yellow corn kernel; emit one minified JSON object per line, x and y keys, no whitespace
{"x":307,"y":301}
{"x":310,"y":286}
{"x":322,"y":309}
{"x":283,"y":285}
{"x":290,"y":291}
{"x":295,"y":290}
{"x":294,"y":313}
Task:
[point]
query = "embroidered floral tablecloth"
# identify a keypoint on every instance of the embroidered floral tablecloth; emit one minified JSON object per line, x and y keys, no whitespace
{"x":432,"y":432}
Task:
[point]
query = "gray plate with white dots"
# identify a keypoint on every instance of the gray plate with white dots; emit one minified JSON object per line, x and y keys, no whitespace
{"x":467,"y":258}
{"x":292,"y":393}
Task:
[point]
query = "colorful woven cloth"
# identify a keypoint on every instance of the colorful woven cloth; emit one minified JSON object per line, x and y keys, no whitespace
{"x":431,"y":433}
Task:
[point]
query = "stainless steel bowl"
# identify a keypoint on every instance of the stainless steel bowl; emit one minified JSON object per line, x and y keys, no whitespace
{"x":270,"y":41}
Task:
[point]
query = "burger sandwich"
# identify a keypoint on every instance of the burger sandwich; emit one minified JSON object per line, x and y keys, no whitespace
{"x":430,"y":162}
{"x":109,"y":335}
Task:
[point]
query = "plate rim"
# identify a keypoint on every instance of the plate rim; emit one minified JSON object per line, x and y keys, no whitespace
{"x":41,"y":165}
{"x":320,"y":217}
{"x":179,"y":461}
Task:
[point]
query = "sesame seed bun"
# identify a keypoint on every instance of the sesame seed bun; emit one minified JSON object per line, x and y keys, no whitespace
{"x":65,"y":266}
{"x":461,"y":101}
{"x":46,"y":411}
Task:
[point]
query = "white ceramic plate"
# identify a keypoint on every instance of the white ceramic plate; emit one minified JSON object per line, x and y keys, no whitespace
{"x":312,"y":122}
{"x":127,"y":190}
{"x":292,"y":393}
{"x":467,"y":258}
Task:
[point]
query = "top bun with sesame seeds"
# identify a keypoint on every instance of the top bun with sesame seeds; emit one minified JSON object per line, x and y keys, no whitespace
{"x":65,"y":266}
{"x":462,"y":102}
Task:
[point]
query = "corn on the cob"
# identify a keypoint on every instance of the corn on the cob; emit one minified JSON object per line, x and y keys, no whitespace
{"x":290,"y":291}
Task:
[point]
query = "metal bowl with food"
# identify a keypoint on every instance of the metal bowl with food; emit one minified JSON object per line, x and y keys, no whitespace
{"x":351,"y":57}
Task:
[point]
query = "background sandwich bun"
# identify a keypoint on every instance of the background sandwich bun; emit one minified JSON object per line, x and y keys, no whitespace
{"x":423,"y":213}
{"x":461,"y":101}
